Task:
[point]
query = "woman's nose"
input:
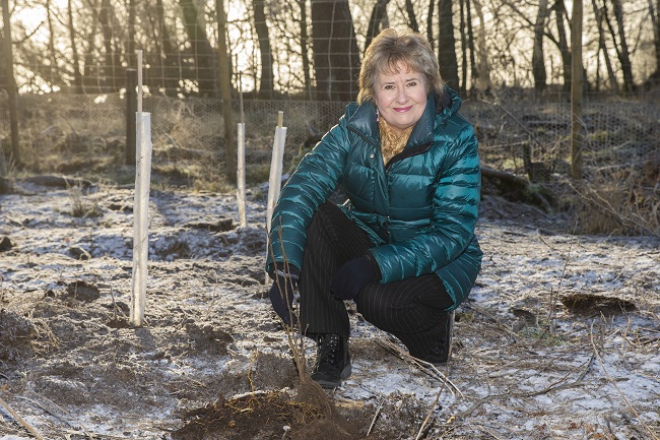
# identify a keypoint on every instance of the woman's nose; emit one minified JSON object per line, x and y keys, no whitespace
{"x":401,"y":96}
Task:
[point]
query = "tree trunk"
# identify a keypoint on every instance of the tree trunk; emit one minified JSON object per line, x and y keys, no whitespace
{"x":111,"y":68}
{"x":603,"y":48}
{"x":304,"y":47}
{"x":624,"y":54}
{"x":464,"y":57}
{"x":167,"y":54}
{"x":12,"y":92}
{"x":538,"y":64}
{"x":412,"y":19}
{"x":474,"y":74}
{"x":131,"y":57}
{"x":447,"y":44}
{"x":201,"y":50}
{"x":52,"y":66}
{"x":378,"y":17}
{"x":429,"y":24}
{"x":655,"y":19}
{"x":336,"y":54}
{"x":77,"y":76}
{"x":484,"y":83}
{"x":577,"y":129}
{"x":560,"y":12}
{"x":261,"y":27}
{"x":225,"y":90}
{"x":622,"y":47}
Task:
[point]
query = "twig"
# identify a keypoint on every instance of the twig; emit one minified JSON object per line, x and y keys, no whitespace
{"x":497,"y":321}
{"x":546,"y":390}
{"x":18,"y":418}
{"x":424,"y":366}
{"x":600,"y":361}
{"x":487,"y":431}
{"x":437,"y":397}
{"x":373,"y":421}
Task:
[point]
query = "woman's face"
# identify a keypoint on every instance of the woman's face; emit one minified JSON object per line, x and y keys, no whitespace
{"x":400,"y":97}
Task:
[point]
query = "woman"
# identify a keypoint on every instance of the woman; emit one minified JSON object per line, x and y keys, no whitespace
{"x":403,"y":245}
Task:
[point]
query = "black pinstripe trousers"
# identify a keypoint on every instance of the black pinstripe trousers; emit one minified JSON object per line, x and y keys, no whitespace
{"x":412,"y":309}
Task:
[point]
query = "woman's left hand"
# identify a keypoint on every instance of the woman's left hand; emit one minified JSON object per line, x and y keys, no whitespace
{"x":349,"y":280}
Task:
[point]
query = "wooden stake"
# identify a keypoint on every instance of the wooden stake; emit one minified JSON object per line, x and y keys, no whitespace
{"x":275,"y":170}
{"x":240,"y":175}
{"x":141,"y":208}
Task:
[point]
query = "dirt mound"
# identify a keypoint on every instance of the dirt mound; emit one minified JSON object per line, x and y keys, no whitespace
{"x":265,"y":415}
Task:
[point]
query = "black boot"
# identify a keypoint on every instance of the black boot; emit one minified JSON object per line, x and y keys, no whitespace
{"x":333,"y":363}
{"x":440,"y":353}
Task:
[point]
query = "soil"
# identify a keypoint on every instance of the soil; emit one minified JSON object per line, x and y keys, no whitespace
{"x":558,"y":340}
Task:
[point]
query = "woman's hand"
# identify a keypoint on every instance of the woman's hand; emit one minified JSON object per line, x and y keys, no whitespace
{"x":281,"y":293}
{"x":350,"y":279}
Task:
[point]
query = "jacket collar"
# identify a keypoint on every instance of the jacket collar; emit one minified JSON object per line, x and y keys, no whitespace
{"x":363,"y":118}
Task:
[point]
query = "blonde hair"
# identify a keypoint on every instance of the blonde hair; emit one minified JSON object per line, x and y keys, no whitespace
{"x":390,"y":48}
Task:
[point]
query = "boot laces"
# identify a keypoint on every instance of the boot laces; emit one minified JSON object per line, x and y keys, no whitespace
{"x":329,"y":348}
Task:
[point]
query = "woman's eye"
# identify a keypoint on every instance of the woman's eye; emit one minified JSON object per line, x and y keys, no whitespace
{"x":412,"y":83}
{"x":389,"y":87}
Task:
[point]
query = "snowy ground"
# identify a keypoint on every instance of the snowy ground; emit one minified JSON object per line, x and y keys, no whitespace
{"x":560,"y":338}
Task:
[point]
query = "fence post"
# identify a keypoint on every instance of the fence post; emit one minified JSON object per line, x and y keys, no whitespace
{"x":131,"y":111}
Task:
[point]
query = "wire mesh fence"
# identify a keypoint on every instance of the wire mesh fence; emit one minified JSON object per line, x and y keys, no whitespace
{"x":70,"y":61}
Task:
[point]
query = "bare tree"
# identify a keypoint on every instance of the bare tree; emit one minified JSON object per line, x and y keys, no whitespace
{"x":474,"y":74}
{"x":429,"y":24}
{"x":304,"y":45}
{"x":412,"y":18}
{"x":464,"y":56}
{"x":621,"y":46}
{"x":336,"y":54}
{"x":377,"y":21}
{"x":602,"y":48}
{"x":201,"y":50}
{"x":560,"y":12}
{"x":484,"y":83}
{"x":654,"y":12}
{"x":75,"y":62}
{"x":225,"y":89}
{"x":261,"y":27}
{"x":112,"y":63}
{"x":165,"y":56}
{"x":538,"y":58}
{"x":52,"y":65}
{"x":447,"y":44}
{"x":10,"y":82}
{"x":130,"y":47}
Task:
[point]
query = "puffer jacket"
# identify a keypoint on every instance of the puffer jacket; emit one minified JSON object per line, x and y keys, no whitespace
{"x":420,"y":210}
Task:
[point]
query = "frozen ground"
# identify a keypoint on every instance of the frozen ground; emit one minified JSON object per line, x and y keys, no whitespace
{"x":559,"y":340}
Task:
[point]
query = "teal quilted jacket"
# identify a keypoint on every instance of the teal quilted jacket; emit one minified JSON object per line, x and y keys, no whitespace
{"x":420,"y":210}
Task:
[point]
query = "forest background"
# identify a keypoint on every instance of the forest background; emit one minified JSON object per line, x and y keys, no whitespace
{"x":66,"y":64}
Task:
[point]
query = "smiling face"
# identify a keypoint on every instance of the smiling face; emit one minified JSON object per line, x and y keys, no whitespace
{"x":400,"y":97}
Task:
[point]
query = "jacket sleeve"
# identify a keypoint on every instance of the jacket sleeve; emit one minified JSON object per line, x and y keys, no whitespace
{"x":455,"y":207}
{"x":314,"y":180}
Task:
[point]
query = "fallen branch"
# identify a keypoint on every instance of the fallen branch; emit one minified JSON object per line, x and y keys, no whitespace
{"x":437,"y":397}
{"x":552,"y":387}
{"x":422,"y":365}
{"x":18,"y":418}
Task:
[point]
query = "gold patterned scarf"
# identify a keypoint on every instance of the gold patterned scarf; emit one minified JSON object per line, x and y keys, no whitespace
{"x":392,"y":143}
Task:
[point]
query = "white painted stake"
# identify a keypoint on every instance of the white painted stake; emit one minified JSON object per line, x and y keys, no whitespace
{"x":240,"y":176}
{"x":275,"y":172}
{"x":141,"y":207}
{"x":275,"y":168}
